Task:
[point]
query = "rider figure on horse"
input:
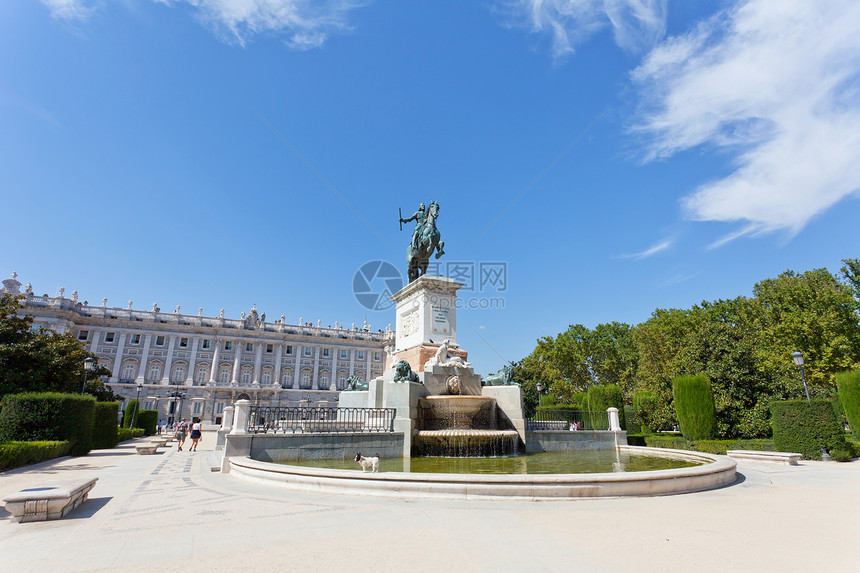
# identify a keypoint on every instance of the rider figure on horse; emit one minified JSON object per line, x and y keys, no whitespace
{"x":419,"y":217}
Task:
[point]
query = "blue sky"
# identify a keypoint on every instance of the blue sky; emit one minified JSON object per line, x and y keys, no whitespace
{"x":617,"y":155}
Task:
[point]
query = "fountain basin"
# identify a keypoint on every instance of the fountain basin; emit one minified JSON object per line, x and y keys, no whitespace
{"x":465,"y":443}
{"x":716,"y":471}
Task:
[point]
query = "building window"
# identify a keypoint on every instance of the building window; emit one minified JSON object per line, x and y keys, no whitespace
{"x":228,"y":345}
{"x":270,"y":348}
{"x":224,"y":374}
{"x":286,"y":376}
{"x":376,"y":355}
{"x":289,"y":349}
{"x":201,"y":374}
{"x":324,"y":381}
{"x":109,"y":336}
{"x":246,"y":376}
{"x":219,"y":408}
{"x":179,"y":373}
{"x":267,"y":376}
{"x":361,"y":354}
{"x":155,"y":371}
{"x":198,"y":406}
{"x":306,"y":379}
{"x":341,"y":381}
{"x":206,"y":344}
{"x":149,"y":405}
{"x":183,"y":343}
{"x":344,"y":353}
{"x":135,"y":339}
{"x":249,"y":347}
{"x":83,"y":335}
{"x":159,"y":341}
{"x":128,"y":371}
{"x":308,"y":351}
{"x":325,"y":353}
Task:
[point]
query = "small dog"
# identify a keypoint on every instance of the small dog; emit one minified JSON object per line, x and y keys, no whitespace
{"x":365,"y":463}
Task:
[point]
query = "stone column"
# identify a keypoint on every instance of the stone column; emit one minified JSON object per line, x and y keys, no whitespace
{"x":192,"y":362}
{"x":94,"y":342}
{"x":216,"y":359}
{"x":298,"y":368}
{"x":334,"y":367}
{"x":143,"y":358}
{"x":168,"y":363}
{"x":614,"y":422}
{"x":242,"y":413}
{"x":352,"y":362}
{"x":367,"y":377}
{"x":258,"y":362}
{"x":237,"y":362}
{"x":316,"y":379}
{"x":117,"y":361}
{"x":279,"y":355}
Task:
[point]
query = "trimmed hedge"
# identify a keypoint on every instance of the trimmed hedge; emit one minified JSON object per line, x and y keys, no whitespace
{"x":848,"y":385}
{"x":694,"y":404}
{"x":17,"y":454}
{"x":719,"y":447}
{"x":128,"y":413}
{"x":148,"y":420}
{"x":105,"y":425}
{"x":124,"y":434}
{"x":644,"y":404}
{"x":49,"y":416}
{"x":806,"y":428}
{"x":605,"y":396}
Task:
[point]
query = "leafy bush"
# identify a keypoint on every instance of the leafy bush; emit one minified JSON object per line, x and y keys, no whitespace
{"x":694,"y":404}
{"x":644,"y":406}
{"x":580,"y":400}
{"x":846,"y":453}
{"x":105,"y":425}
{"x":124,"y":434}
{"x":719,"y":447}
{"x":605,"y":396}
{"x":49,"y":416}
{"x":17,"y":454}
{"x":148,"y":420}
{"x":848,"y":384}
{"x":128,"y":415}
{"x":806,"y":428}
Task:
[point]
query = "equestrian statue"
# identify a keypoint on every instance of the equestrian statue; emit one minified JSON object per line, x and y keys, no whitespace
{"x":425,"y":240}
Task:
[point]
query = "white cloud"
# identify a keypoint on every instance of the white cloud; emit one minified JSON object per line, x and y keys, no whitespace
{"x":636,"y":24}
{"x":650,"y":251}
{"x":775,"y":84}
{"x":305,"y":23}
{"x":69,"y":10}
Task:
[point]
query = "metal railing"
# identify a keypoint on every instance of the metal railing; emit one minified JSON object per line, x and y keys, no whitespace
{"x":568,"y":420}
{"x":296,"y":420}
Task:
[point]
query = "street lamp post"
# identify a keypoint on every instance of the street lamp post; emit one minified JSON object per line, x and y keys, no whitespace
{"x":539,"y":388}
{"x":89,"y":366}
{"x":177,"y":412}
{"x":137,"y":406}
{"x":797,"y":356}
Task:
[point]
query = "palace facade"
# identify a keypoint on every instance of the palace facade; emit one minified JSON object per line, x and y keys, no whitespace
{"x":194,"y":366}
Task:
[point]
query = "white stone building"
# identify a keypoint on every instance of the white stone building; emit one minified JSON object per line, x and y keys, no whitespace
{"x":202,"y":364}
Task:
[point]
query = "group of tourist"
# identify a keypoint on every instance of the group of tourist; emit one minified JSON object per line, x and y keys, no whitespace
{"x":180,"y":430}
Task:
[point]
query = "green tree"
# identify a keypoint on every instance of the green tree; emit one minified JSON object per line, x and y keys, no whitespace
{"x":43,"y":360}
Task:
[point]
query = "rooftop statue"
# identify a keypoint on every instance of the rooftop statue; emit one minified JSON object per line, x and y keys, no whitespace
{"x":425,"y":240}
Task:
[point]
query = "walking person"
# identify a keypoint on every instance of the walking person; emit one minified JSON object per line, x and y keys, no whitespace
{"x":181,"y":429}
{"x":196,"y":433}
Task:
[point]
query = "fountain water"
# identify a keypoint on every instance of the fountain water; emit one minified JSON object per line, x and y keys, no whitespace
{"x":461,"y":426}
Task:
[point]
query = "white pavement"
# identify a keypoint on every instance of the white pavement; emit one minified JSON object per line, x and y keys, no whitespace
{"x":169,"y":512}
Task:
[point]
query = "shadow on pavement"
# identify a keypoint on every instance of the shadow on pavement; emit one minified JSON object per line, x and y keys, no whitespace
{"x":89,"y":508}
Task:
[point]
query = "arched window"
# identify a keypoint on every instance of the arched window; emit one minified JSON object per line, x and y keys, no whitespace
{"x":154,"y":371}
{"x":128,"y":371}
{"x":201,"y":374}
{"x":178,"y":373}
{"x":306,"y":379}
{"x":267,"y":376}
{"x":246,"y":376}
{"x":324,"y":380}
{"x":341,"y":380}
{"x":224,"y":375}
{"x":286,"y":377}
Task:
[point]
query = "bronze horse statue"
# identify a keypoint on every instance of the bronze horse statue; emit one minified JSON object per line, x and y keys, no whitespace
{"x":418,"y":256}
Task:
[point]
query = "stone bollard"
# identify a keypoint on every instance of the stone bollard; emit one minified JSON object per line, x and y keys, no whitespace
{"x":242,"y":413}
{"x":614,"y":422}
{"x":227,"y":418}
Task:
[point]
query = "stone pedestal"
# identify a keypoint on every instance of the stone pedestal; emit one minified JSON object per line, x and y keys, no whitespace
{"x":509,"y":401}
{"x":426,"y":315}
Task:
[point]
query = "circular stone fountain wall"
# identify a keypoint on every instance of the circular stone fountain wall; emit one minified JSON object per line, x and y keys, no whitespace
{"x":716,"y":471}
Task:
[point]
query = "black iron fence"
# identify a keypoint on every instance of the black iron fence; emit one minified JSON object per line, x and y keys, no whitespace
{"x":568,"y":420}
{"x":296,"y":420}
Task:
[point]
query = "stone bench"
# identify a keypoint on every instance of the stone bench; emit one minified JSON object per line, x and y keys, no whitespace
{"x":146,"y":449}
{"x":787,"y":458}
{"x":160,"y":442}
{"x":52,"y":500}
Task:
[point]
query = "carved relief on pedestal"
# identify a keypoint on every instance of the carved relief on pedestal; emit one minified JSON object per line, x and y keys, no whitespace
{"x":409,"y":323}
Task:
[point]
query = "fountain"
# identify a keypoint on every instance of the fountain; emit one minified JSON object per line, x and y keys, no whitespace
{"x":461,"y":426}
